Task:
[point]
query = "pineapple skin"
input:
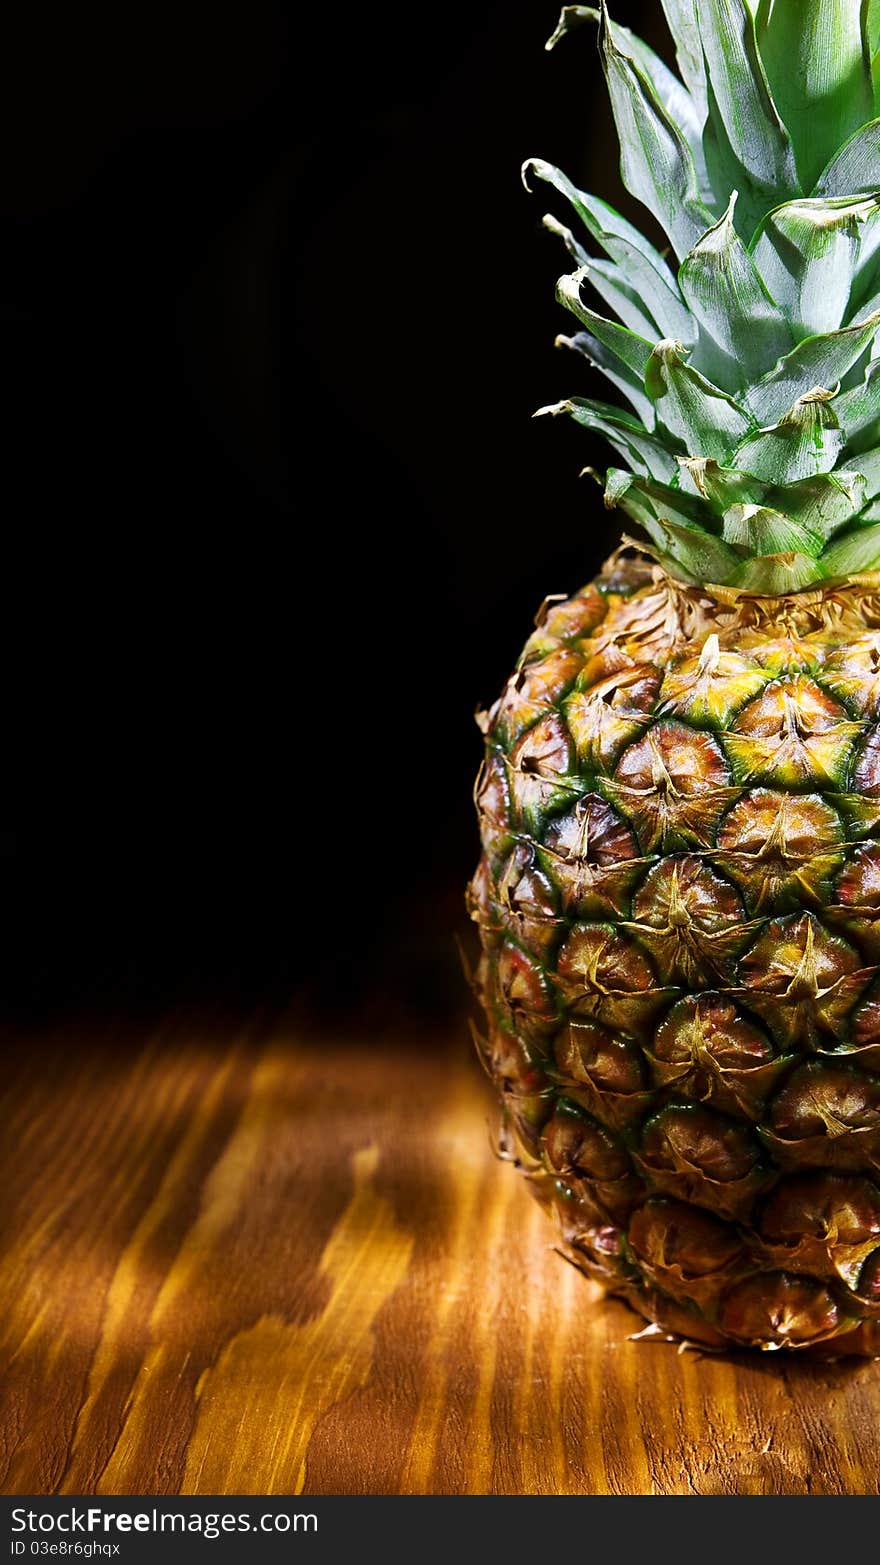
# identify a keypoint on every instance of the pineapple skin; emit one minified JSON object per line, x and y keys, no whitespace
{"x":678,"y":902}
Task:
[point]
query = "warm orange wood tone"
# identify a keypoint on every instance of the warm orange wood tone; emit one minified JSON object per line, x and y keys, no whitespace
{"x":259,"y":1262}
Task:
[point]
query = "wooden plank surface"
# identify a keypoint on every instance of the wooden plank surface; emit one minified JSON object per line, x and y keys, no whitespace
{"x":253,"y":1261}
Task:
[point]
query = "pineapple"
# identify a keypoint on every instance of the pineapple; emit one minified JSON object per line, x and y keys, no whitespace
{"x":679,"y":893}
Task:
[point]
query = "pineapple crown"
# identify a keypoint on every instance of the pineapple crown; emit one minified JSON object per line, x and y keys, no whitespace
{"x":752,"y":451}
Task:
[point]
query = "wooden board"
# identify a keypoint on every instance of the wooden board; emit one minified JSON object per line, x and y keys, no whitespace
{"x":249,"y":1261}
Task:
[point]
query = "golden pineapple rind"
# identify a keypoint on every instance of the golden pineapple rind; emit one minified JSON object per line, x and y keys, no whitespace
{"x":679,"y":909}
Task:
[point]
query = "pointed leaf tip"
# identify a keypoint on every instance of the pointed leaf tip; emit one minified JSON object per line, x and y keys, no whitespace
{"x":529,"y":165}
{"x":628,"y":347}
{"x":553,"y":409}
{"x":570,"y":18}
{"x":668,"y":350}
{"x":568,"y":287}
{"x":561,"y":231}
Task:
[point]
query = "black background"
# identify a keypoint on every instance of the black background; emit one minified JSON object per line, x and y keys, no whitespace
{"x":276,"y":312}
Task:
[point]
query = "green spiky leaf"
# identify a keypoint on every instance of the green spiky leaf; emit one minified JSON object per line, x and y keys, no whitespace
{"x":721,"y":486}
{"x":743,"y":115}
{"x":681,"y":108}
{"x":664,"y":502}
{"x":822,"y":360}
{"x":853,"y":552}
{"x":756,"y":529}
{"x":859,"y":408}
{"x":855,"y":169}
{"x":632,"y":350}
{"x":750,"y":373}
{"x":809,"y":254}
{"x":675,"y":526}
{"x":817,"y":61}
{"x":725,"y":293}
{"x":641,"y":451}
{"x":682,"y":18}
{"x":867,"y":463}
{"x":708,"y":421}
{"x":601,"y":358}
{"x":656,"y":163}
{"x":679,"y":544}
{"x":608,"y":279}
{"x":776,"y":573}
{"x":646,"y":271}
{"x":701,"y":556}
{"x":808,"y":440}
{"x":822,"y":503}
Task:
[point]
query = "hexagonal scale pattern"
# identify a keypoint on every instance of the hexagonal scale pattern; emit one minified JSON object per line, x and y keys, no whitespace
{"x":679,"y":909}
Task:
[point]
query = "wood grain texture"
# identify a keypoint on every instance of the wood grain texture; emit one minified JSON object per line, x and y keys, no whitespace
{"x":250,"y":1261}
